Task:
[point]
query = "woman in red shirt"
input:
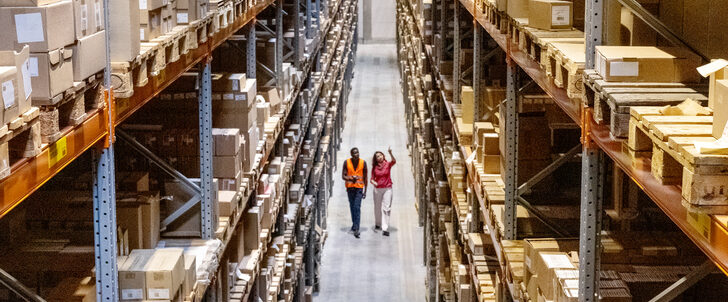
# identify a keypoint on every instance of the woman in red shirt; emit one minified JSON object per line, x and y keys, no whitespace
{"x":382,"y":181}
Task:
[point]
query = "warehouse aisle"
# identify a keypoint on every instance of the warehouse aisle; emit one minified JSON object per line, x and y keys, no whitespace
{"x":374,"y":267}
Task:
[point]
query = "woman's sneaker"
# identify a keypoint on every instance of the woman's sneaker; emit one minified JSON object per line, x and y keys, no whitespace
{"x":385,"y":233}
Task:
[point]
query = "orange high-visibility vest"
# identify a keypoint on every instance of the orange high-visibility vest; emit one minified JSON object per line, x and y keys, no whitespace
{"x":350,"y":171}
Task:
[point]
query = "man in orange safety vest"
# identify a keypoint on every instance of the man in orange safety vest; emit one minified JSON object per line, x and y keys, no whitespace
{"x":355,"y":175}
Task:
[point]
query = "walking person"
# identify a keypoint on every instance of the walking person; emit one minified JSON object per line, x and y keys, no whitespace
{"x":354,"y":174}
{"x":382,"y":181}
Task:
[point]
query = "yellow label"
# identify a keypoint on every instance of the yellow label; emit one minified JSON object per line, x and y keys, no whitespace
{"x":57,"y":151}
{"x":701,"y":222}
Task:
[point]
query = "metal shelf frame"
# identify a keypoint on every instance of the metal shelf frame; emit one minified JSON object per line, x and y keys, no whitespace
{"x":98,"y":133}
{"x":596,"y":147}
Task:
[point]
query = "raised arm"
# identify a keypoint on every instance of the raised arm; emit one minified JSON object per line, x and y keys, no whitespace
{"x":394,"y":160}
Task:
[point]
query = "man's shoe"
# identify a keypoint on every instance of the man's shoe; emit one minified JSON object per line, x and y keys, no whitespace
{"x":356,"y":234}
{"x":385,"y":233}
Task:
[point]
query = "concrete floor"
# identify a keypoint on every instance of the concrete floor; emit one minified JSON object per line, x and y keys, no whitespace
{"x":374,"y":267}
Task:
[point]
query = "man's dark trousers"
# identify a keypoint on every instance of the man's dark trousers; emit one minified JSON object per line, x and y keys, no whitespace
{"x":355,"y":195}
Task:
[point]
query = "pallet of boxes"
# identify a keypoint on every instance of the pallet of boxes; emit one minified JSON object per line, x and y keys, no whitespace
{"x":166,"y":274}
{"x":150,"y":34}
{"x":52,"y":56}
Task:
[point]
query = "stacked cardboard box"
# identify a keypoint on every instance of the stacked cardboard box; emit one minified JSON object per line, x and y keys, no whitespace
{"x":46,"y":27}
{"x":227,"y":162}
{"x":234,"y":98}
{"x":156,"y":274}
{"x":15,"y":78}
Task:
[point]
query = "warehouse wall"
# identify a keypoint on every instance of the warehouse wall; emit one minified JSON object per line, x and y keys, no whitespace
{"x":377,"y":21}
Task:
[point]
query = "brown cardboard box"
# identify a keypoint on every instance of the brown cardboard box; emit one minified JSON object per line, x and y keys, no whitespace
{"x":466,"y":98}
{"x":646,"y":64}
{"x":501,"y":5}
{"x":151,"y":4}
{"x":263,"y":110}
{"x":132,"y":275}
{"x":43,"y":28}
{"x":229,"y":82}
{"x":9,"y":3}
{"x":251,"y":228}
{"x":124,"y":39}
{"x":715,"y":70}
{"x":89,"y":56}
{"x":227,"y":202}
{"x":190,"y":274}
{"x":85,"y":17}
{"x":272,"y":97}
{"x":550,"y":14}
{"x":21,"y":61}
{"x":518,"y":8}
{"x":227,"y":141}
{"x":165,"y":273}
{"x":10,"y":91}
{"x":226,"y":166}
{"x":148,"y":221}
{"x":150,"y":24}
{"x":51,"y":73}
{"x":544,"y":268}
{"x":129,"y":217}
{"x":720,"y":107}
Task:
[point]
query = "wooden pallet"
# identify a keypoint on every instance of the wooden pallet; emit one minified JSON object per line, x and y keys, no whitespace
{"x":72,"y":109}
{"x":669,"y":141}
{"x":612,"y":100}
{"x":565,"y":66}
{"x":19,"y":139}
{"x":533,"y":41}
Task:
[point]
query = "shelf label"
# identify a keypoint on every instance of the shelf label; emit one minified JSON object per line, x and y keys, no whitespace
{"x":701,"y":222}
{"x":57,"y":151}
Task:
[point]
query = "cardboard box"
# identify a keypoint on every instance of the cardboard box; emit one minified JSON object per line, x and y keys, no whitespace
{"x":43,"y":28}
{"x":544,"y":268}
{"x":87,"y":14}
{"x":466,"y":99}
{"x":226,"y":141}
{"x":51,"y":73}
{"x":646,"y":64}
{"x":715,"y":70}
{"x":129,"y":217}
{"x":263,"y":113}
{"x":165,"y":273}
{"x":251,"y":228}
{"x":21,"y":61}
{"x":10,"y":91}
{"x":550,"y":14}
{"x":271,"y":96}
{"x":229,"y":82}
{"x":152,"y":4}
{"x":9,"y":3}
{"x":227,"y":202}
{"x":132,"y":275}
{"x":150,"y":24}
{"x":148,"y":222}
{"x":124,"y":39}
{"x":89,"y":56}
{"x":720,"y":107}
{"x":517,"y":8}
{"x":190,"y":274}
{"x":226,"y":166}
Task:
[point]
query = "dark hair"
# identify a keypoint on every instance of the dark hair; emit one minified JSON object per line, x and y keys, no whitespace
{"x":374,"y":158}
{"x":352,"y":149}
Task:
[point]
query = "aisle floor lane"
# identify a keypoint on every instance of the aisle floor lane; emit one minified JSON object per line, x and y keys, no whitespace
{"x":374,"y":267}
